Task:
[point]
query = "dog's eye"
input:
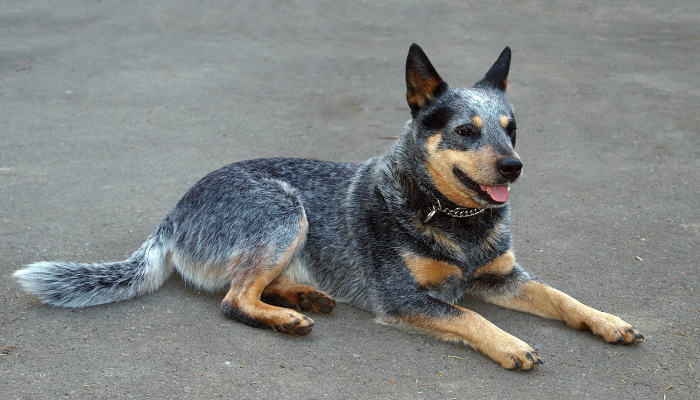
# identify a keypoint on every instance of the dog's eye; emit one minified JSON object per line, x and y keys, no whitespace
{"x":465,"y":131}
{"x":510,"y":130}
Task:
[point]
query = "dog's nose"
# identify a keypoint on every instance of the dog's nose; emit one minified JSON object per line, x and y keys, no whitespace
{"x":510,"y":167}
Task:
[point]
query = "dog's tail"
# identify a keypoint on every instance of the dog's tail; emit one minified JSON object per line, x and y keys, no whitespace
{"x":76,"y":285}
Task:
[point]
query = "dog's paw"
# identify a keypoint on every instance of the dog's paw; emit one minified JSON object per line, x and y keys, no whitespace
{"x":613,"y":329}
{"x":316,"y":301}
{"x":522,"y":360}
{"x":296,"y":326}
{"x":512,"y":353}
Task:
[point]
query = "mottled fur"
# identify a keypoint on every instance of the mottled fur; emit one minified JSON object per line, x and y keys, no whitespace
{"x":377,"y":234}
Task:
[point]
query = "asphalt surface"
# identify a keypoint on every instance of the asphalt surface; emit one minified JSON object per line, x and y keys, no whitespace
{"x":110,"y":111}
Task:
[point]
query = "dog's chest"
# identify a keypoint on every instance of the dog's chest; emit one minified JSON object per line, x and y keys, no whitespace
{"x":455,"y":254}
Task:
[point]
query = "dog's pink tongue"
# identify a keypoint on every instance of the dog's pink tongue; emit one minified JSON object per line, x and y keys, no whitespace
{"x":498,"y":193}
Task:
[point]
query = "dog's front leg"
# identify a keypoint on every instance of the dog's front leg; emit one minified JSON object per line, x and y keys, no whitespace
{"x":517,"y":290}
{"x":449,"y":322}
{"x":537,"y":298}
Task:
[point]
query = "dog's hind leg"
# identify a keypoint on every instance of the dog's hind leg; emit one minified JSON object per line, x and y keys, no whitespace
{"x":250,"y":277}
{"x":285,"y":293}
{"x":239,"y":230}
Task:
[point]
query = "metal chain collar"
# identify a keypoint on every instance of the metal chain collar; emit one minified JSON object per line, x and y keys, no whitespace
{"x":454,"y":213}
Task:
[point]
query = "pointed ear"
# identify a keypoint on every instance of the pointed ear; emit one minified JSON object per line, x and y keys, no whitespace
{"x":423,"y":83}
{"x":497,"y":77}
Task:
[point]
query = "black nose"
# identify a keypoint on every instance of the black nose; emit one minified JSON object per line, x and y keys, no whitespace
{"x":510,"y":167}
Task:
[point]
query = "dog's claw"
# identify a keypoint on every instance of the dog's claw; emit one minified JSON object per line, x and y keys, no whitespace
{"x":534,"y":358}
{"x":636,"y":334}
{"x":517,"y":364}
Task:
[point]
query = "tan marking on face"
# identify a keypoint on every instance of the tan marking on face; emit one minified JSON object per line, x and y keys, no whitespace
{"x":505,"y":121}
{"x":539,"y":299}
{"x":480,"y":165}
{"x":477,"y":121}
{"x":473,"y":329}
{"x":430,"y":272}
{"x":501,"y":265}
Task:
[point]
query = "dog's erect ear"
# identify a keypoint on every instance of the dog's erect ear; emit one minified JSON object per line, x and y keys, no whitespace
{"x":497,"y":77}
{"x":423,"y":83}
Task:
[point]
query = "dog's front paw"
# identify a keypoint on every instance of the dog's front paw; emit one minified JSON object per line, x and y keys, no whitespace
{"x":512,"y":353}
{"x":520,"y":363}
{"x":523,"y":360}
{"x":612,"y":329}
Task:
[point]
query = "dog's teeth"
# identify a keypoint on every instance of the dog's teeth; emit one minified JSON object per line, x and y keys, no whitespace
{"x":509,"y":188}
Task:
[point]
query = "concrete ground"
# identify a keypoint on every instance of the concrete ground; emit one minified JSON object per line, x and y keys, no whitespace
{"x":110,"y":110}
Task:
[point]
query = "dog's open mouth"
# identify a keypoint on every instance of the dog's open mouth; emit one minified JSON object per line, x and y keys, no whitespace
{"x":497,"y":194}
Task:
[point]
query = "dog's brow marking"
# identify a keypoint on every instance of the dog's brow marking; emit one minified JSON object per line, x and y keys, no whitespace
{"x":433,"y":142}
{"x":504,"y":121}
{"x":430,"y":272}
{"x":477,"y":121}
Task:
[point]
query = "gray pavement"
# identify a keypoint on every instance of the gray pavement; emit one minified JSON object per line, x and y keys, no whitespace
{"x":110,"y":110}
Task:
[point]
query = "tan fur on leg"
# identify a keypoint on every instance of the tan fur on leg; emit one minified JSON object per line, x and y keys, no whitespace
{"x":539,"y":299}
{"x":243,"y":301}
{"x":474,"y":330}
{"x":285,"y":293}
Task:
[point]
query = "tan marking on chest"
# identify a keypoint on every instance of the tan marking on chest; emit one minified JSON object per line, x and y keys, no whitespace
{"x":501,"y":265}
{"x":430,"y":272}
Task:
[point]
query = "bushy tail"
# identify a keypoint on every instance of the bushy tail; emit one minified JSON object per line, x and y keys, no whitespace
{"x":76,"y":285}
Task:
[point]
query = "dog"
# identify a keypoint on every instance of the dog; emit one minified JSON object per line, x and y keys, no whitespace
{"x":405,"y":235}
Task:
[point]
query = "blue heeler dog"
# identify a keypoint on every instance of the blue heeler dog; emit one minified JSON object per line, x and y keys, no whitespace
{"x":404,"y":235}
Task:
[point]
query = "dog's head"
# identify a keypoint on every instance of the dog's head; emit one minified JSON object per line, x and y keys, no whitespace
{"x":467,"y":136}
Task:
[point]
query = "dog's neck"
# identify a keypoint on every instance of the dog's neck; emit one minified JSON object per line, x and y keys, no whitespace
{"x":429,"y":203}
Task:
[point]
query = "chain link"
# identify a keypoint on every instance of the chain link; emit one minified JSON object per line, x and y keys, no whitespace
{"x":454,"y":213}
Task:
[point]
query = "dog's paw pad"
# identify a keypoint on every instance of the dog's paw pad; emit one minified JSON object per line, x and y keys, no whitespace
{"x":316,"y":301}
{"x":305,"y":304}
{"x":297,"y":327}
{"x":313,"y":296}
